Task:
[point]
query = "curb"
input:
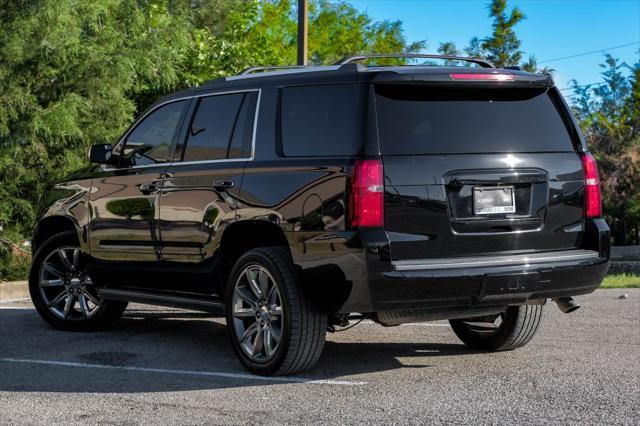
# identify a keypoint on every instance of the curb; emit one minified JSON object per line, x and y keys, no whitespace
{"x":11,"y":290}
{"x":625,"y":253}
{"x":624,"y":267}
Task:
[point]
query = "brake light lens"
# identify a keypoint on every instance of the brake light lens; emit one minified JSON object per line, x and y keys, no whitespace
{"x":485,"y":77}
{"x":592,"y":196}
{"x":366,"y":206}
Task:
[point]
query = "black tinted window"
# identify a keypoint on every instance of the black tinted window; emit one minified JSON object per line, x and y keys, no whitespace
{"x":150,"y":142}
{"x":430,"y":120}
{"x":243,"y":133}
{"x":320,"y":120}
{"x":221,"y":128}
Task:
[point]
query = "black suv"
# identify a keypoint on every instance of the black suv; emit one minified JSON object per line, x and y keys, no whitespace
{"x":294,"y":201}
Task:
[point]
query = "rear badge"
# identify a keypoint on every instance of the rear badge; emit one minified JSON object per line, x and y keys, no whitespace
{"x":493,"y":200}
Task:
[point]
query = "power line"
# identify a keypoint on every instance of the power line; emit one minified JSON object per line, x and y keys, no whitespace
{"x":583,"y":85}
{"x":589,"y":53}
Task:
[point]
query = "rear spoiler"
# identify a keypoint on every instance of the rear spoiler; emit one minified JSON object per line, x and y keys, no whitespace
{"x":472,"y":77}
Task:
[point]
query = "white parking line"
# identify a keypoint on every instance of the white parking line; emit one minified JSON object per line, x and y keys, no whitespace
{"x":22,"y":299}
{"x":16,"y":307}
{"x":218,"y":374}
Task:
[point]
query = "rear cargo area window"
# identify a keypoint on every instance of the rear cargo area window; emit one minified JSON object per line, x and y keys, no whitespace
{"x":320,"y":120}
{"x":438,"y":120}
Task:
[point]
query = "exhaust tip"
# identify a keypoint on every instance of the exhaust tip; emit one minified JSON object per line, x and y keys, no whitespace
{"x":567,"y":304}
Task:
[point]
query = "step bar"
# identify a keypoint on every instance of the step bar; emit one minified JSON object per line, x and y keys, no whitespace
{"x":525,"y":260}
{"x":205,"y":304}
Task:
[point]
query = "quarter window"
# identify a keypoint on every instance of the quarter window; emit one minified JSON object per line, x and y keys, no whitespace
{"x":151,"y":140}
{"x":321,"y":120}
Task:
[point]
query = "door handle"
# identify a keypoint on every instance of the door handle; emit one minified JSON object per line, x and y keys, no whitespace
{"x":148,"y":188}
{"x":221,"y":185}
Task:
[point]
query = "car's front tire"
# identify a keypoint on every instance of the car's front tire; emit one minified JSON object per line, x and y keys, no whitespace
{"x":62,"y":291}
{"x":272,"y":327}
{"x":509,"y":330}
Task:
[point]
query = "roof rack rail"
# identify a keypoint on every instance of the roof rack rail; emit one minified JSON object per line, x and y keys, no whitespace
{"x":350,"y":59}
{"x":251,"y":70}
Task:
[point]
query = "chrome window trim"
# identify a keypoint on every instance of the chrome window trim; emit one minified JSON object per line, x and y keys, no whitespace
{"x":578,"y":255}
{"x":179,"y":163}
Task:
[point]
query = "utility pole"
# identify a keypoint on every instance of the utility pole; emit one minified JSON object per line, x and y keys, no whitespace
{"x":303,"y":30}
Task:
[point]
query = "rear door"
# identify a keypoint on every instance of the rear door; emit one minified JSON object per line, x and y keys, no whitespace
{"x":477,"y":170}
{"x":199,"y":194}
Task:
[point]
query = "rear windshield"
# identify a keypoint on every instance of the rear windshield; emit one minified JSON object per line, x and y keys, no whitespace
{"x":436,"y":120}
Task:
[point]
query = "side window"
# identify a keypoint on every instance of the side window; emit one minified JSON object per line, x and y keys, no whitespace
{"x":151,"y":140}
{"x":222,"y":127}
{"x":321,"y":120}
{"x":243,"y":134}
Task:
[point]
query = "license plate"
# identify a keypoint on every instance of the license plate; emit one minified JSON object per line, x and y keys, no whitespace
{"x":493,"y":200}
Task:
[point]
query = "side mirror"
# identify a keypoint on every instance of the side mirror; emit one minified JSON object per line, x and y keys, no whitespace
{"x":101,"y":154}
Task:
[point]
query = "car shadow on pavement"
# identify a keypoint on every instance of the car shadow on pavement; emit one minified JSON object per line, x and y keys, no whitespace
{"x":175,"y":344}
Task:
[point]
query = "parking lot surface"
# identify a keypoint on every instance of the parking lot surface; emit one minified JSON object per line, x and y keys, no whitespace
{"x":164,"y":366}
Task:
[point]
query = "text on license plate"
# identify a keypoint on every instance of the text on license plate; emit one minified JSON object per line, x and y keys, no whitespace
{"x":493,"y":200}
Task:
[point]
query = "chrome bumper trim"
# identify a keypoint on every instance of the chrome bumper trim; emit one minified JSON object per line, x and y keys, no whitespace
{"x":488,"y":261}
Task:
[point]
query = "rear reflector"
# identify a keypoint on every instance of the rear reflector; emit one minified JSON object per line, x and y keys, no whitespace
{"x":485,"y":77}
{"x":592,"y":196}
{"x":366,"y":202}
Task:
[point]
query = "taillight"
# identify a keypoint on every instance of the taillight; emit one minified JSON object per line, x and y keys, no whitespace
{"x":486,"y":77}
{"x":366,"y":203}
{"x":592,"y":196}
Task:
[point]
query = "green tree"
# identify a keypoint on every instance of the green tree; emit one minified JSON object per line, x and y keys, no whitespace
{"x":336,"y":29}
{"x":609,"y":116}
{"x":448,"y":48}
{"x":474,"y":49}
{"x":74,"y":73}
{"x":69,"y":72}
{"x":339,"y":29}
{"x":228,"y":36}
{"x":503,"y":46}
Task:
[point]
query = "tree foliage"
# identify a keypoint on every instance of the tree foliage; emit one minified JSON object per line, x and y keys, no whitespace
{"x":336,"y":29}
{"x":69,"y":75}
{"x":609,"y":114}
{"x":502,"y":46}
{"x":77,"y":72}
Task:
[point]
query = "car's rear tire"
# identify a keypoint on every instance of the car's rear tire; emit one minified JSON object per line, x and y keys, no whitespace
{"x":510,"y":330}
{"x":62,"y":291}
{"x":272,"y":327}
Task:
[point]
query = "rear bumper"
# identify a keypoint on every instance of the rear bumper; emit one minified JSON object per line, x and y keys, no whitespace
{"x":497,"y":284}
{"x":462,"y":286}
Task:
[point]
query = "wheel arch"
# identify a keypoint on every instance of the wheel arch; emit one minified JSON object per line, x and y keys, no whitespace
{"x":325,"y":286}
{"x":50,"y":226}
{"x":244,"y":235}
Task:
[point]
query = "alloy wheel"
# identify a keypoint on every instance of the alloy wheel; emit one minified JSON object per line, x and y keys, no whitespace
{"x":257,"y":313}
{"x":66,"y":288}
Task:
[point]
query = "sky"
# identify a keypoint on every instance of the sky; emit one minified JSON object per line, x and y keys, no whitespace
{"x":552,"y":29}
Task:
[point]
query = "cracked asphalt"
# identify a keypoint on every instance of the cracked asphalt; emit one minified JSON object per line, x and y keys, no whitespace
{"x":164,"y":366}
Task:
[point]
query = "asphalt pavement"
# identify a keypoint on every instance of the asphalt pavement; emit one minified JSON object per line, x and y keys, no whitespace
{"x":164,"y":366}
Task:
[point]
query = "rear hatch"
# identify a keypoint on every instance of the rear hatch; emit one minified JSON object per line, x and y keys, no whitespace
{"x":478,"y":170}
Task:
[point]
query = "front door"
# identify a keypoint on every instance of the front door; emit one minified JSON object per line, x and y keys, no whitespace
{"x":199,"y":194}
{"x":124,"y":201}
